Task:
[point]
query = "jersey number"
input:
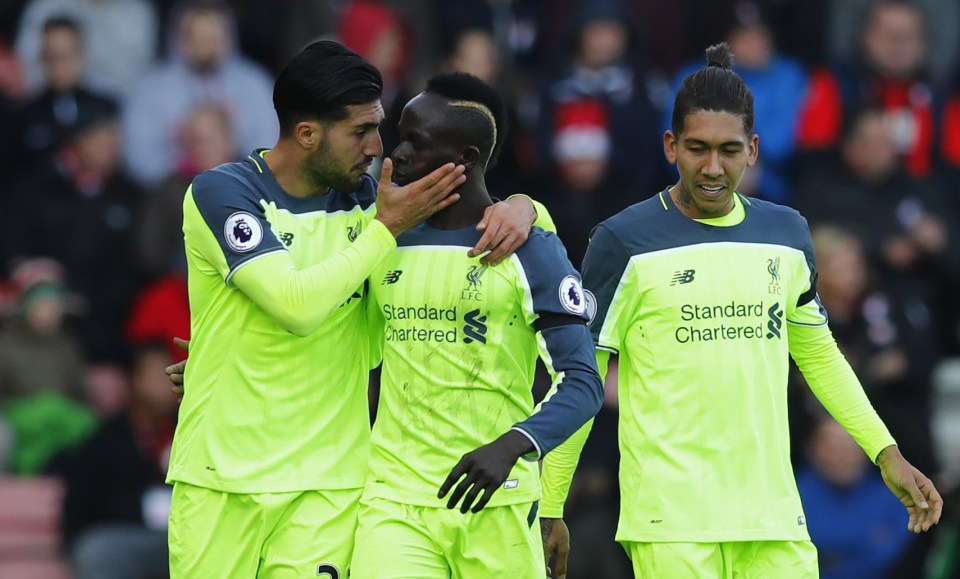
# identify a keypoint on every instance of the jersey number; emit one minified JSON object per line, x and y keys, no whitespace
{"x":325,"y":570}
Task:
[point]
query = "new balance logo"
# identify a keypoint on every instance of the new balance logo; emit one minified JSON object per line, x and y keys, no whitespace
{"x":475,"y":327}
{"x":684,"y":276}
{"x":392,"y":277}
{"x":286,"y":238}
{"x":776,"y":321}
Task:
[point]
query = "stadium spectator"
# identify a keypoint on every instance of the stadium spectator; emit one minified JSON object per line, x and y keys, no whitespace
{"x":603,"y":68}
{"x":940,"y":18}
{"x":204,"y":140}
{"x":582,"y":192}
{"x":42,"y":393}
{"x":120,"y":39}
{"x":908,"y":225}
{"x":203,"y":67}
{"x":78,"y":208}
{"x":38,"y":354}
{"x":116,"y":505}
{"x":706,"y":295}
{"x":889,"y":73}
{"x":49,"y":117}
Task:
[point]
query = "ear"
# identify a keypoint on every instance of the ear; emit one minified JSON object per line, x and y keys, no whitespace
{"x":670,"y":147}
{"x":469,"y":157}
{"x":753,"y":150}
{"x":309,"y":134}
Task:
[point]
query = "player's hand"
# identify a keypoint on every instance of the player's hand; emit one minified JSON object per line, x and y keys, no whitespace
{"x":505,"y":226}
{"x":914,"y":490}
{"x":483,"y":471}
{"x":556,"y":543}
{"x":402,"y":208}
{"x":175,"y":371}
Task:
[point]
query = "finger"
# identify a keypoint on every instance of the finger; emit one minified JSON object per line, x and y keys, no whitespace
{"x":486,"y":218}
{"x":446,"y":185}
{"x":487,"y":495}
{"x":563,"y":550}
{"x":486,"y":240}
{"x":504,"y":249}
{"x":178,"y":390}
{"x":386,"y":171}
{"x":561,"y":564}
{"x":470,"y":497}
{"x":437,"y":181}
{"x":446,"y":202}
{"x":182,"y":344}
{"x":460,"y":489}
{"x":931,"y":515}
{"x":453,"y":477}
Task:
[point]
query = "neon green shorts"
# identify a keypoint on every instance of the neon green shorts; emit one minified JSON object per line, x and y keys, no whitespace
{"x":742,"y":559}
{"x":271,"y":536}
{"x":403,"y":541}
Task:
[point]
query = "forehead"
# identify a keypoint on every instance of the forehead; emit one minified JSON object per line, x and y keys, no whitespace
{"x":714,"y":127}
{"x":364,"y":114}
{"x":424,"y":110}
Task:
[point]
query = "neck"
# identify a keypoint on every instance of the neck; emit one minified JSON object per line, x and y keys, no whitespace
{"x":684,"y":202}
{"x":286,"y":162}
{"x":468,"y":210}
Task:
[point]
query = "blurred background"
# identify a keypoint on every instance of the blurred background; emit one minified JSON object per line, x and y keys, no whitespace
{"x":108,"y":109}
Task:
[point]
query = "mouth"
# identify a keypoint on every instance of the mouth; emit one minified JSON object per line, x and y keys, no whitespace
{"x":399,"y":178}
{"x":711,"y":191}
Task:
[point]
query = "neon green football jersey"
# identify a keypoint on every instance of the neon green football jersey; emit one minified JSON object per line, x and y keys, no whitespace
{"x":460,"y":343}
{"x":265,"y":410}
{"x":698,"y":315}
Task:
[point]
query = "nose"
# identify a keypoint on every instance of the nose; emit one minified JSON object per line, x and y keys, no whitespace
{"x":712,"y":167}
{"x":374,"y":146}
{"x":399,"y":154}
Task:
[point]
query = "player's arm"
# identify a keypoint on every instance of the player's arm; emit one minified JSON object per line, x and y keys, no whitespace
{"x":556,"y":476}
{"x":558,"y":315}
{"x":506,"y":226}
{"x":603,"y":268}
{"x":603,"y":275}
{"x":834,"y":383}
{"x":251,"y":258}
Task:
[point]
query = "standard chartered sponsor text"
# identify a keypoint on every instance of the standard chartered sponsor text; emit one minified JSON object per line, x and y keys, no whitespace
{"x":749,"y":316}
{"x":419,"y":334}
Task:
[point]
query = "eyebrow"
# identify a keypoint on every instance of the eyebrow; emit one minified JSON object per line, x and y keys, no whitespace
{"x":692,"y":141}
{"x":367,"y":125}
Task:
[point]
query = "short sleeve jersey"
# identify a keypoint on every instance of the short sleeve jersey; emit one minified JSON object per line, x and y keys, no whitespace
{"x":460,"y":346}
{"x":697,"y":313}
{"x":265,"y":410}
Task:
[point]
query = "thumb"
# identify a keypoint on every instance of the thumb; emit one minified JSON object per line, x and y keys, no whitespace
{"x":386,"y":171}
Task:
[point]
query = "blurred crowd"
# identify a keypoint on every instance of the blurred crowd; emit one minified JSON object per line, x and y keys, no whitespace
{"x":109,"y":108}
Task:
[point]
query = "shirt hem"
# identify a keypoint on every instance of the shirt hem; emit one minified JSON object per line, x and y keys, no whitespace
{"x":265,"y":486}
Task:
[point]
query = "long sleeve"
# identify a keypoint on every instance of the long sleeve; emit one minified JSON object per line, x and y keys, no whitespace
{"x":835,"y":385}
{"x":560,"y":465}
{"x":556,"y":308}
{"x":301,"y":299}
